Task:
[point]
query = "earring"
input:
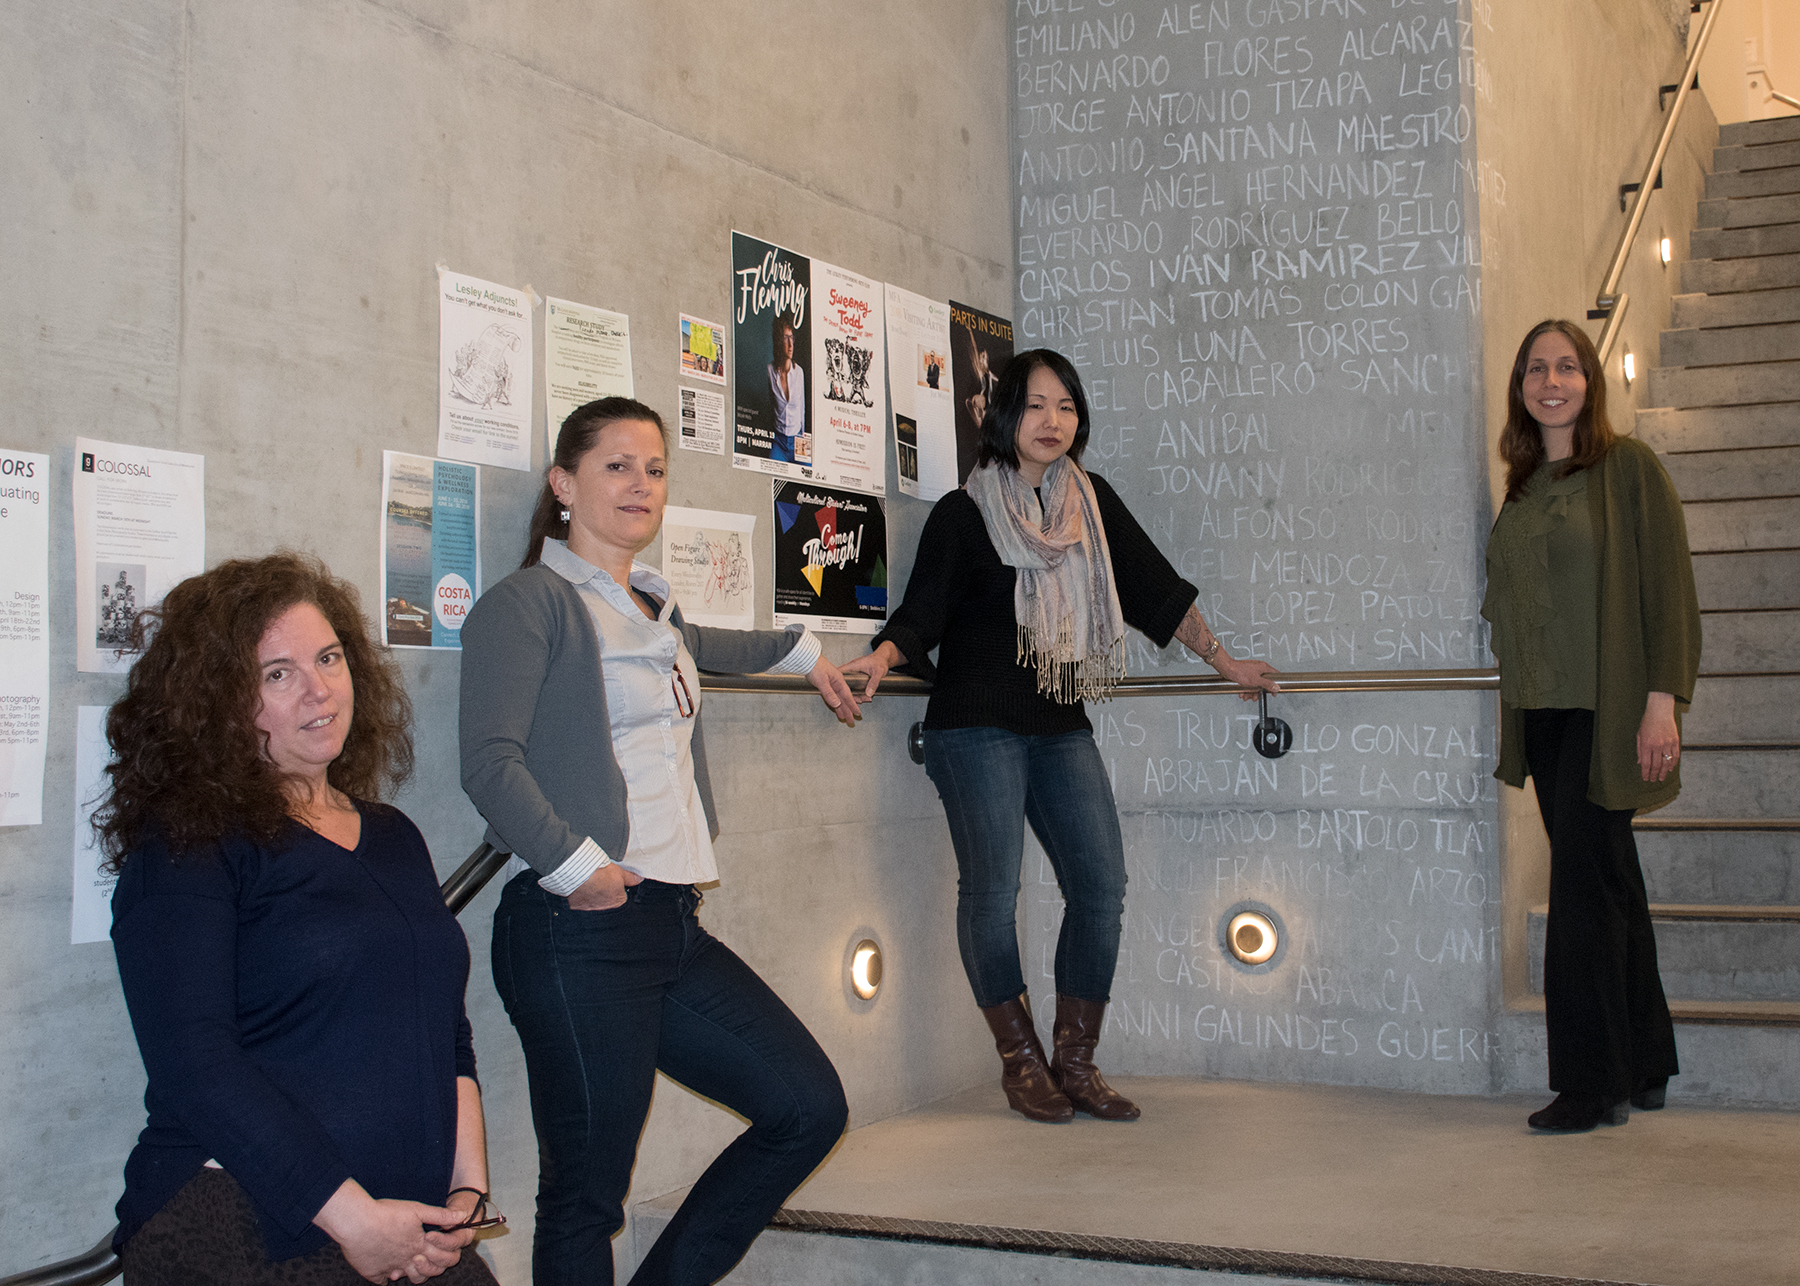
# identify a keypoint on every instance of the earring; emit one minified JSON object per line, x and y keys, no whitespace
{"x":565,"y":515}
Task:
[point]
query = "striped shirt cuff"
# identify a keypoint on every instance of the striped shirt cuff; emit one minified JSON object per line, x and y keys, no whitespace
{"x":804,"y":656}
{"x":574,"y":871}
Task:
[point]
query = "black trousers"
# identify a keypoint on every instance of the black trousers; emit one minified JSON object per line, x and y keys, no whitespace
{"x":1605,"y":1014}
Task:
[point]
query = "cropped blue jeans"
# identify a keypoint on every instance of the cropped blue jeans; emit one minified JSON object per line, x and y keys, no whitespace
{"x":992,"y":782}
{"x":602,"y":1001}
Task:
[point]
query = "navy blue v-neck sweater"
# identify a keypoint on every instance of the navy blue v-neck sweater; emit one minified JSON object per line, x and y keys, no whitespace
{"x":300,"y":1015}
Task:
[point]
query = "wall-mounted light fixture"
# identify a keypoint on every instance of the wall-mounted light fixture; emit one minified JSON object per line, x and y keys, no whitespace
{"x":1666,"y":249}
{"x":1252,"y":937}
{"x":865,"y":969}
{"x":1630,"y":368}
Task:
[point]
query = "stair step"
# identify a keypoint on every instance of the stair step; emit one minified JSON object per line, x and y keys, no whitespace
{"x":1750,"y":211}
{"x":1733,"y":276}
{"x":1767,"y":523}
{"x":1748,"y":783}
{"x":1776,"y":342}
{"x":1744,"y":868}
{"x":1748,"y":642}
{"x":1748,"y":582}
{"x":1741,"y":1053}
{"x":1710,"y":953}
{"x":1779,"y":129}
{"x":1734,"y":243}
{"x":1719,"y":428}
{"x":1727,"y":184}
{"x":1735,"y":475}
{"x":1763,"y":707}
{"x":1762,"y":156}
{"x":1752,"y":382}
{"x":1756,"y":309}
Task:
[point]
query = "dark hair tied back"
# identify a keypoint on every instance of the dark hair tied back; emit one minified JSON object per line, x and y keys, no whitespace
{"x":574,"y":440}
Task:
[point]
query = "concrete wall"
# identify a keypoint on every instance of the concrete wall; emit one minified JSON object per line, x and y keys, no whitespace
{"x":222,"y":222}
{"x":1566,"y":113}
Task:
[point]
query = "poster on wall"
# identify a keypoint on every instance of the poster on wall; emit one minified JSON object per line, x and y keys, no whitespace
{"x":702,"y":421}
{"x":980,"y":346}
{"x":771,"y":349}
{"x":484,"y":372}
{"x":809,"y":395}
{"x":140,"y":529}
{"x":24,"y":636}
{"x":702,"y":350}
{"x":850,"y":394}
{"x":707,"y":561}
{"x":918,"y":363}
{"x":587,"y":356}
{"x":430,"y":549}
{"x":90,"y":906}
{"x":830,"y":559}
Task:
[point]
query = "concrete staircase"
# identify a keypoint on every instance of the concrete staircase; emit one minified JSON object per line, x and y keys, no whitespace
{"x":1723,"y":862}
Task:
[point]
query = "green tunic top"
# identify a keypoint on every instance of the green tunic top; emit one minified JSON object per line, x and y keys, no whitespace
{"x":1648,"y":622}
{"x":1543,"y":567}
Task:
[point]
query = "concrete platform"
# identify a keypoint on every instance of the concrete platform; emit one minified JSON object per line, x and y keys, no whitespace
{"x":1284,"y":1183}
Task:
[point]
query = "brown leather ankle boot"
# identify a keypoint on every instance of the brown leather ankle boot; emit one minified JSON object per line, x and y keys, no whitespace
{"x":1023,"y":1074}
{"x":1077,"y":1032}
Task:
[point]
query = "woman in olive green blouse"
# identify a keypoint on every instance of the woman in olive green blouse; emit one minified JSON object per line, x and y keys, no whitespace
{"x":1597,"y":629}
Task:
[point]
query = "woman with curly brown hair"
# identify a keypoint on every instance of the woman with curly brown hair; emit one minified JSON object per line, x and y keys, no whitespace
{"x":1597,"y":631}
{"x":294,"y":978}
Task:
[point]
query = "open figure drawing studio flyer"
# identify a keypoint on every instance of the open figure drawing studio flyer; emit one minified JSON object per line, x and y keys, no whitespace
{"x":981,"y":344}
{"x":430,"y":549}
{"x":484,"y":372}
{"x":830,"y":559}
{"x":809,"y":394}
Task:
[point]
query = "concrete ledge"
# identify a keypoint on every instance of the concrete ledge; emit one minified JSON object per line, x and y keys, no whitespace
{"x":1750,"y":211}
{"x":1734,"y":310}
{"x":1751,"y":134}
{"x":1719,"y":428}
{"x":1735,"y":243}
{"x":1765,"y":523}
{"x":1735,"y":475}
{"x":1737,"y":867}
{"x":1757,"y":642}
{"x":1737,"y":783}
{"x":1762,"y":156}
{"x":1727,"y":276}
{"x":1726,"y":184}
{"x":1759,"y":708}
{"x":1756,"y":382}
{"x":1748,"y":582}
{"x":1709,"y":953}
{"x":1774,"y":342}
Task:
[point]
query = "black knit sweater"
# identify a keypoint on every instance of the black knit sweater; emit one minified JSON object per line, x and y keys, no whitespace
{"x":959,"y":600}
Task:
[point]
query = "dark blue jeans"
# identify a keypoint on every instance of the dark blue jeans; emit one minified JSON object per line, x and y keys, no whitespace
{"x":992,"y":782}
{"x":602,"y":1000}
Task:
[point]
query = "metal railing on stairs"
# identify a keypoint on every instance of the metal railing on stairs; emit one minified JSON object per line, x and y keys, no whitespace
{"x":101,"y":1265}
{"x":1611,"y":302}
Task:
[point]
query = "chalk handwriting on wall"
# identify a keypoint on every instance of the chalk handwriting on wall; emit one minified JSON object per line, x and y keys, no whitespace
{"x":1251,"y":226}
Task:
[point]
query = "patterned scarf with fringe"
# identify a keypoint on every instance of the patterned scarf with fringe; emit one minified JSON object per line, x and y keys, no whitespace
{"x":1070,"y":625}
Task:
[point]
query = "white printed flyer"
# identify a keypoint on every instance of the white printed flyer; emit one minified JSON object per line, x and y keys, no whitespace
{"x":24,"y":635}
{"x":430,"y":549}
{"x":484,"y":372}
{"x":140,"y":530}
{"x":707,"y":561}
{"x":918,"y":363}
{"x":587,"y":356}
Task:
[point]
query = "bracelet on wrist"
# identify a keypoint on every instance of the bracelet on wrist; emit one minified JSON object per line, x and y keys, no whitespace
{"x":1211,"y":650}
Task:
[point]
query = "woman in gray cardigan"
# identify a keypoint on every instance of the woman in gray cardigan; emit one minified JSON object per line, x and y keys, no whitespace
{"x":581,"y":747}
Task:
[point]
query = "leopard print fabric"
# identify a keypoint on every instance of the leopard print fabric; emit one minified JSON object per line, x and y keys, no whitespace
{"x":208,"y":1236}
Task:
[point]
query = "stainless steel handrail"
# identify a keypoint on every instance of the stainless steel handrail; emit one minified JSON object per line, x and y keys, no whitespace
{"x":1165,"y":685}
{"x":1610,"y":300}
{"x":99,"y":1265}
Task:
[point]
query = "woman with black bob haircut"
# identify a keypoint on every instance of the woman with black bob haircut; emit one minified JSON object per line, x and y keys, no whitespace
{"x":1024,"y":582}
{"x":581,"y":745}
{"x":294,"y":978}
{"x":1596,"y":625}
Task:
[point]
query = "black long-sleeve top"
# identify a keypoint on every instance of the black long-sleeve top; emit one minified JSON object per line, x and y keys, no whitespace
{"x":300,"y":1015}
{"x":959,"y":600}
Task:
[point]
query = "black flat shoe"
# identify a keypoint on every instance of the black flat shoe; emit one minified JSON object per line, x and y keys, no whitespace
{"x":1577,"y":1113}
{"x":1649,"y":1096}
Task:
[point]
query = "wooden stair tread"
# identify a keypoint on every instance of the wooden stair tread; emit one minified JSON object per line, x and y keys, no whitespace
{"x":1654,"y":823}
